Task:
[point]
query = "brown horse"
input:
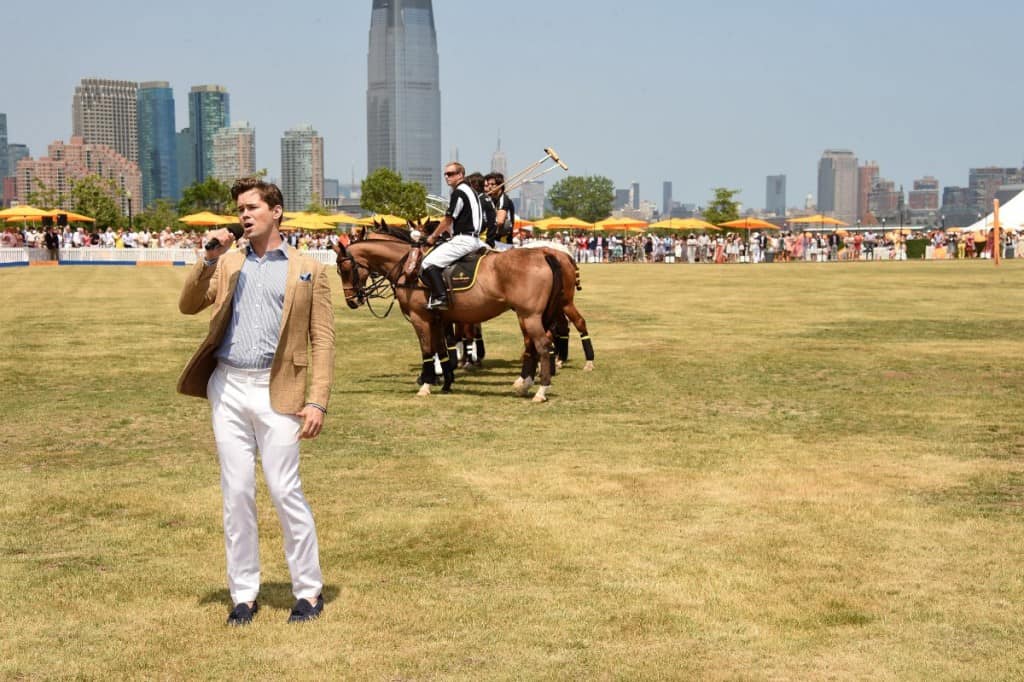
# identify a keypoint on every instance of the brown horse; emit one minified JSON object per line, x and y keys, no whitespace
{"x":529,"y":281}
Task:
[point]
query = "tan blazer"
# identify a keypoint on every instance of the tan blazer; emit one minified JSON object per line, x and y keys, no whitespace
{"x":306,"y":334}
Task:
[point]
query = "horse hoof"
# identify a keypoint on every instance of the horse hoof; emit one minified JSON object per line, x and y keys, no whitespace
{"x":541,"y":395}
{"x":424,"y":390}
{"x":446,"y":389}
{"x":589,"y":367}
{"x":558,"y":364}
{"x":522,"y":386}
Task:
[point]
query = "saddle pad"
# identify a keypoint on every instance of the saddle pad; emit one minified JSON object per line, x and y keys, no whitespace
{"x":461,"y":275}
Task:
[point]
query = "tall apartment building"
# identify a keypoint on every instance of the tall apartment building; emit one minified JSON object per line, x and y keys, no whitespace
{"x":403,"y":95}
{"x":209,"y":110}
{"x":302,"y":167}
{"x":158,"y":154}
{"x":634,"y":196}
{"x":106,"y":112}
{"x":234,"y":152}
{"x":866,"y":177}
{"x":775,"y":195}
{"x":666,"y":198}
{"x":837,"y":184}
{"x":67,"y":162}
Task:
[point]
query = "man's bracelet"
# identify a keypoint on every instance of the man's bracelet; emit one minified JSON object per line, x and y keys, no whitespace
{"x":319,"y":407}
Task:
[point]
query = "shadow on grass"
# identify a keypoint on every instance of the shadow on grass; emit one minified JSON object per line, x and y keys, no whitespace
{"x":275,"y":595}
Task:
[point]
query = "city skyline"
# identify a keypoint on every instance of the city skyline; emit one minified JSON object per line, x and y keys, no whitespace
{"x":666,"y":100}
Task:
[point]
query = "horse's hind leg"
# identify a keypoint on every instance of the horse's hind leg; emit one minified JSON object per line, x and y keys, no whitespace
{"x":541,"y":343}
{"x":561,"y":336}
{"x":525,"y":380}
{"x":581,"y":326}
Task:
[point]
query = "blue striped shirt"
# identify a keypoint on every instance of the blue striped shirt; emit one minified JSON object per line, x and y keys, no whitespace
{"x":251,"y":338}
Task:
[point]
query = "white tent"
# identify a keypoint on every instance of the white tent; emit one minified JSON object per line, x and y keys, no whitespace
{"x":1011,"y":216}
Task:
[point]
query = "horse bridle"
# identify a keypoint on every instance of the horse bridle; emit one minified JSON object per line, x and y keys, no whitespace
{"x":378,"y":284}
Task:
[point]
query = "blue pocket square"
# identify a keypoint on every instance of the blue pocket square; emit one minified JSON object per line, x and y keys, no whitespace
{"x":306,"y":276}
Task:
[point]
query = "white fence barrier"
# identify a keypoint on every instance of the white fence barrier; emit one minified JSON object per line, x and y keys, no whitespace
{"x":101,"y":256}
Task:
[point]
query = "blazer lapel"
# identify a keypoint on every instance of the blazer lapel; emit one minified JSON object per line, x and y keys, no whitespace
{"x":289,"y":286}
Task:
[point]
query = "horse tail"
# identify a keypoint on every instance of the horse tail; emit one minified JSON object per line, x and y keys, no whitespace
{"x":554,"y":308}
{"x":579,"y":282}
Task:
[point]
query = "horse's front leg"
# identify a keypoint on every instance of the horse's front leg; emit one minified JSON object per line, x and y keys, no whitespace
{"x":428,"y":375}
{"x":439,"y":340}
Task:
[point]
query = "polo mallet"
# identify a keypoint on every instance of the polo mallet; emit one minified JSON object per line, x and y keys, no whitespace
{"x":527,"y":174}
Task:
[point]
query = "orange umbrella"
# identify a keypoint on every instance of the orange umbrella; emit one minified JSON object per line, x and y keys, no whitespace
{"x":207,"y":219}
{"x":819,"y":219}
{"x":73,"y":217}
{"x":623,"y":223}
{"x":24,"y":212}
{"x":684,"y":224}
{"x":750,"y":224}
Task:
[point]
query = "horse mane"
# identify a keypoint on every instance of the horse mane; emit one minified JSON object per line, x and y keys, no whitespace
{"x":399,"y":233}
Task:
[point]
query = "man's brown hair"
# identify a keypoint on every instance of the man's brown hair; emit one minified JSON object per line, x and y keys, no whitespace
{"x":268,"y":191}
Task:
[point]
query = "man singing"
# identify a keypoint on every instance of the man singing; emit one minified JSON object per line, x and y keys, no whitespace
{"x":272,"y":324}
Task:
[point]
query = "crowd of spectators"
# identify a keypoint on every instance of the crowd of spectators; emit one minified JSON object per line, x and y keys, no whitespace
{"x":110,"y":238}
{"x":764,"y":246}
{"x":704,"y":247}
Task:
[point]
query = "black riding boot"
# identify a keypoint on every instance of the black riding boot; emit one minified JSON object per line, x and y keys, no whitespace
{"x":438,"y":295}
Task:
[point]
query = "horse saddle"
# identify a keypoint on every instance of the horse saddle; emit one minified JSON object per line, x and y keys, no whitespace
{"x":461,"y":275}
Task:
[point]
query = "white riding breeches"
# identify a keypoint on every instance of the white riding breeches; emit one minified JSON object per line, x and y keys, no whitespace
{"x":452,"y":250}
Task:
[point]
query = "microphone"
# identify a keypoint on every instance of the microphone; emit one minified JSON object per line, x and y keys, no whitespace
{"x":236,"y":231}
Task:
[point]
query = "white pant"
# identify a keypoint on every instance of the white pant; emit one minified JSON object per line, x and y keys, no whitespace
{"x":244,"y":422}
{"x":452,"y":250}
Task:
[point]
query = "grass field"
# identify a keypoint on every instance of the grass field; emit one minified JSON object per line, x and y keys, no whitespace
{"x":775,"y":472}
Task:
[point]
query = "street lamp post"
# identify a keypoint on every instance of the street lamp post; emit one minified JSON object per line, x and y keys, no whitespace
{"x":128,"y":195}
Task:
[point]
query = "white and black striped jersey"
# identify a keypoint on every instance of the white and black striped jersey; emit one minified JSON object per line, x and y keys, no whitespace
{"x":465,"y":211}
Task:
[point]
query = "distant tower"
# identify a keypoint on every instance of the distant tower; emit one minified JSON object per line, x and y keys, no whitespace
{"x":775,"y":195}
{"x":158,"y":156}
{"x":837,"y":184}
{"x":666,"y":199}
{"x":105,"y":112}
{"x":302,"y":167}
{"x":403,"y":95}
{"x":634,"y":196}
{"x":208,"y":111}
{"x":499,"y":161}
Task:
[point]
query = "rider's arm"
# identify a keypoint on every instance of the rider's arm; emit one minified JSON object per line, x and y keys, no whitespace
{"x":443,"y":226}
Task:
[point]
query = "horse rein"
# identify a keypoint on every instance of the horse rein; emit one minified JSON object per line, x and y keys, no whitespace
{"x":378,"y":284}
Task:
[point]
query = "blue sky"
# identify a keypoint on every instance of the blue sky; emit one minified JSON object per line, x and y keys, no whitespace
{"x":702,"y":94}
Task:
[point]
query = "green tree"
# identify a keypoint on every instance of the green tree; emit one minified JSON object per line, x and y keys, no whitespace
{"x":43,"y":197}
{"x":587,"y":197}
{"x":99,"y":198}
{"x":157,"y":216}
{"x":384,"y":191}
{"x":317,"y":206}
{"x":209,"y":195}
{"x":723,"y":207}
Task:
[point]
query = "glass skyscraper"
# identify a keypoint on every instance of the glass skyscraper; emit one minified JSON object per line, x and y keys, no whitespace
{"x":403,"y":96}
{"x":208,"y":112}
{"x":4,"y":170}
{"x":158,"y":157}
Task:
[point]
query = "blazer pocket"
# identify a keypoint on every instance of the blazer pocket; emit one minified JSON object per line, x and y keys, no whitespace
{"x":300,"y":359}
